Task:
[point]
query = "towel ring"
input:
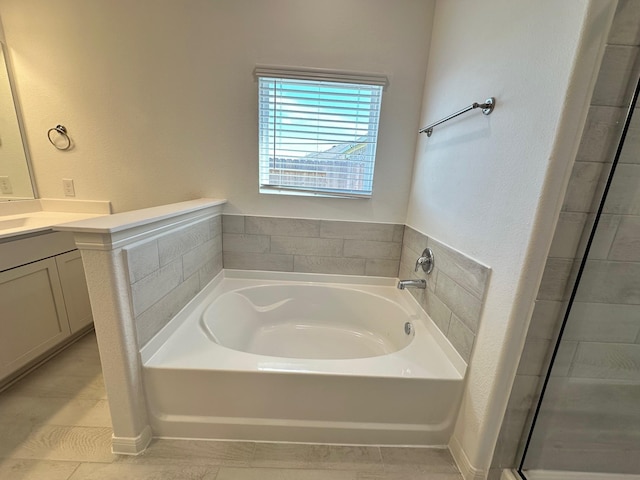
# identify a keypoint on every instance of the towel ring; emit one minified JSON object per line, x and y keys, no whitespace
{"x":62,"y":131}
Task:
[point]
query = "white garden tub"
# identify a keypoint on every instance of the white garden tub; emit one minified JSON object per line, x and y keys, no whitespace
{"x":303,"y":358}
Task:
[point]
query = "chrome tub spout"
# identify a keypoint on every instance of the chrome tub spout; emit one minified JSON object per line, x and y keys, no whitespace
{"x":421,"y":283}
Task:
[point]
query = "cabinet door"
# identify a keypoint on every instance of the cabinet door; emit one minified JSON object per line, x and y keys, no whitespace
{"x":32,"y":314}
{"x":74,"y":289}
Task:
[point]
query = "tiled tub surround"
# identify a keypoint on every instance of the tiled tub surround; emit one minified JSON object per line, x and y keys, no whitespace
{"x":311,"y":246}
{"x":455,"y":288}
{"x":168,"y":271}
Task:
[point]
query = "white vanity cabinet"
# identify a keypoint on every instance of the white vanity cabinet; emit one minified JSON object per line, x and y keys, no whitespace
{"x":74,"y":288}
{"x":43,"y":298}
{"x":33,"y":314}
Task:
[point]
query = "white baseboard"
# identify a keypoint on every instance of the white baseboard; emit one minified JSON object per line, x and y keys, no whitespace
{"x":468,"y":471}
{"x":131,"y":445}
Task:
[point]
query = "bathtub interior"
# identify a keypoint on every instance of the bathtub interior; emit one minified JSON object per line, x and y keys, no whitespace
{"x":407,"y":393}
{"x":187,"y":340}
{"x":307,"y":321}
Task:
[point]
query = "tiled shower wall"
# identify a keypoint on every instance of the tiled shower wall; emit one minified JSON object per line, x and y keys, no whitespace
{"x":166,"y":272}
{"x":590,"y":413}
{"x":601,"y":345}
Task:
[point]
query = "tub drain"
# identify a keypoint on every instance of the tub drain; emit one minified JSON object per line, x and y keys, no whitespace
{"x":408,"y":328}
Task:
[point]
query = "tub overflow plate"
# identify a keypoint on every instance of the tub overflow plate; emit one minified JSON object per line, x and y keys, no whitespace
{"x":408,"y":328}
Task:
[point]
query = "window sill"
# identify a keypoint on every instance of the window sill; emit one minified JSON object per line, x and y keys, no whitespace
{"x":302,"y":193}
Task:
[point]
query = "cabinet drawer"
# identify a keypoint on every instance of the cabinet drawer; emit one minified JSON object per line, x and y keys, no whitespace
{"x":18,"y":252}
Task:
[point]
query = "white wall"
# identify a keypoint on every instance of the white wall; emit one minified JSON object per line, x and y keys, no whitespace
{"x":491,"y":186}
{"x":161,"y":102}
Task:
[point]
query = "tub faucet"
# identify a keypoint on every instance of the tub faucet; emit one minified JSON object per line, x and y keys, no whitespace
{"x":421,"y":283}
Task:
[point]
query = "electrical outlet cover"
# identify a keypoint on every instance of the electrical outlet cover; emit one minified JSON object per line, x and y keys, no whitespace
{"x":67,"y":187}
{"x":5,"y":185}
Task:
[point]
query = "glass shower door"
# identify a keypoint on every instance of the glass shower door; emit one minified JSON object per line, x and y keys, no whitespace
{"x":589,"y":416}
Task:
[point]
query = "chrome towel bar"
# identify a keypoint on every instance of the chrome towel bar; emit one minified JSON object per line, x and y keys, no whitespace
{"x":487,"y":107}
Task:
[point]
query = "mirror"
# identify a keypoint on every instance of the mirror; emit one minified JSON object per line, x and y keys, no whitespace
{"x":15,"y":178}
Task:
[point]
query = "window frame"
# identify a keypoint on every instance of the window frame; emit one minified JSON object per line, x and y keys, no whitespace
{"x":323,"y":76}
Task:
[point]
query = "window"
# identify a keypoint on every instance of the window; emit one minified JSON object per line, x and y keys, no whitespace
{"x":318,"y":132}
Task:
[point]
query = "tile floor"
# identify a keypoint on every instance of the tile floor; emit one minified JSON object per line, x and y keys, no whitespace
{"x":55,"y":425}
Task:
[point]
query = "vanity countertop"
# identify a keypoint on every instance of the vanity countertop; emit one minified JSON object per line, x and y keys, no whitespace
{"x":23,"y":218}
{"x":12,"y":225}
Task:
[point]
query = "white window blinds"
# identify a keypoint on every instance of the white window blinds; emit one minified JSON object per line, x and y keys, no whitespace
{"x":318,"y":132}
